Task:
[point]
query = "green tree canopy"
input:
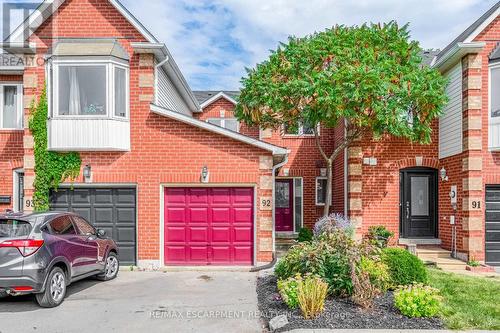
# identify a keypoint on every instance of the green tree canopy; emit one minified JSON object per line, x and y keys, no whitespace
{"x":370,"y":76}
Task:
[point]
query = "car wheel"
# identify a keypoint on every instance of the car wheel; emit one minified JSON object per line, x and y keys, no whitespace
{"x":55,"y":290}
{"x":3,"y":294}
{"x":112,"y":268}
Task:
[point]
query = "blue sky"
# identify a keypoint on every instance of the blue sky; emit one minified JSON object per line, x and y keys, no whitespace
{"x":213,"y":41}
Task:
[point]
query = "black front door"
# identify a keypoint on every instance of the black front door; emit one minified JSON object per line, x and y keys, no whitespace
{"x":418,"y":203}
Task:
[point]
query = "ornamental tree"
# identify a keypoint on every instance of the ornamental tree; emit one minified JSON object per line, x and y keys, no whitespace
{"x":368,"y":78}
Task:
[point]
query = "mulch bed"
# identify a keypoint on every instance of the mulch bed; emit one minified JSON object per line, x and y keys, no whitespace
{"x":339,"y":313}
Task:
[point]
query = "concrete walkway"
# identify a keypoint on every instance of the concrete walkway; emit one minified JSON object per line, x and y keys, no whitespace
{"x":144,"y":302}
{"x":381,"y":331}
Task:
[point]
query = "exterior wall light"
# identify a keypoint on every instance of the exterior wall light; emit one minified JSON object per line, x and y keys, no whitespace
{"x":444,"y":177}
{"x":87,"y":173}
{"x":205,"y":174}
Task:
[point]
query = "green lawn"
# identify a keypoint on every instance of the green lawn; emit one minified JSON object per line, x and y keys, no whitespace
{"x":469,"y":302}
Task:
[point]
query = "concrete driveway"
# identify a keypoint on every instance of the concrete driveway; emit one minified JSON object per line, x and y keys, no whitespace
{"x":144,"y":302}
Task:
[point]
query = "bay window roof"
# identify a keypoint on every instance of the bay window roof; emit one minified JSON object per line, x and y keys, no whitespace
{"x":90,"y":48}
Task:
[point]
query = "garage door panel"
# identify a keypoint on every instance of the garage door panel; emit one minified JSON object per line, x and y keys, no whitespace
{"x":242,"y":234}
{"x":242,"y":253}
{"x":198,"y":196}
{"x":197,"y":234}
{"x":243,"y":196}
{"x":198,"y":215}
{"x":125,"y":215}
{"x":103,"y":215}
{"x":100,"y":207}
{"x":103,"y":196}
{"x":221,"y":254}
{"x":221,"y":235}
{"x":198,"y":253}
{"x":219,"y":223}
{"x":243,"y":215}
{"x":492,"y":226}
{"x":221,"y":215}
{"x":175,"y":234}
{"x":80,"y":196}
{"x":175,"y":254}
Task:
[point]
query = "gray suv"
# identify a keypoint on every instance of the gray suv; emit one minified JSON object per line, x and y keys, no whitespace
{"x":43,"y":253}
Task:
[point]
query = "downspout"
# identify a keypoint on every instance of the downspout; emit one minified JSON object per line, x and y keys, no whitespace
{"x":163,"y":62}
{"x":274,"y":259}
{"x":346,"y":173}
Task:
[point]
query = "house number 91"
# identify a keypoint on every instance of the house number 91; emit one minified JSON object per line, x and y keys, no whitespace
{"x":476,"y":204}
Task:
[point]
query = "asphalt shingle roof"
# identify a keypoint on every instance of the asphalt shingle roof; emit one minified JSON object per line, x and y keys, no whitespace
{"x":204,"y":95}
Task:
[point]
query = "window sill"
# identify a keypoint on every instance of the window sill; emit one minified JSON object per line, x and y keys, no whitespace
{"x":88,"y":118}
{"x":11,"y":129}
{"x":297,"y":136}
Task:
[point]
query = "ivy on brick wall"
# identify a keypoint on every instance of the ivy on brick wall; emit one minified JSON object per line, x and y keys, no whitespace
{"x":51,"y":168}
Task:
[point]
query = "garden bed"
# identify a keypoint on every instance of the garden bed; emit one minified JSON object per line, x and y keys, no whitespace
{"x":339,"y":313}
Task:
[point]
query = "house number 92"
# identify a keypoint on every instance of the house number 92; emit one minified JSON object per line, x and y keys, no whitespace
{"x":476,"y":204}
{"x":266,"y":203}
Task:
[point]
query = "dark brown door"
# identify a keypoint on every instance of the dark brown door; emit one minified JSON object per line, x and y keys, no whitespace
{"x":418,"y":203}
{"x":284,"y":205}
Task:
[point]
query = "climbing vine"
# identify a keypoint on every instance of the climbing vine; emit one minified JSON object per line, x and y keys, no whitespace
{"x":51,"y":168}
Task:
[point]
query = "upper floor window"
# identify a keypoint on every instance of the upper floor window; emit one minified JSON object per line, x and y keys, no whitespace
{"x":494,"y":109}
{"x":11,"y":107}
{"x":298,"y":128}
{"x":99,"y":89}
{"x":227,"y":123}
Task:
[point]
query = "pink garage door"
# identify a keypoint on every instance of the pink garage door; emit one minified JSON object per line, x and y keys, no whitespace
{"x":209,"y":226}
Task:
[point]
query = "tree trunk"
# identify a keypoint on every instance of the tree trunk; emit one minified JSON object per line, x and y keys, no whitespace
{"x":329,"y":181}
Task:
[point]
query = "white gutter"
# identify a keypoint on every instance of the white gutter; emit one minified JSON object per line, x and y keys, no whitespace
{"x":456,"y":53}
{"x":276,"y":150}
{"x":156,"y":76}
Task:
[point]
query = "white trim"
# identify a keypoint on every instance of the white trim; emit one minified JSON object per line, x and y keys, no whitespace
{"x":164,"y":186}
{"x":492,"y":121}
{"x":110,"y":67}
{"x":216,"y":97}
{"x":15,"y":188}
{"x":316,"y":191}
{"x":217,"y":129}
{"x":456,"y":53}
{"x":48,"y":7}
{"x":482,"y":26}
{"x":19,"y":106}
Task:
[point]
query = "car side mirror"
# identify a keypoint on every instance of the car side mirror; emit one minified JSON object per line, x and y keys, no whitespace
{"x":101,"y":232}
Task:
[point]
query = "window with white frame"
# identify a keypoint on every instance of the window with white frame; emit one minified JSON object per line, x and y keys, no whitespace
{"x":11,"y":107}
{"x":321,"y":186}
{"x":494,"y":109}
{"x":227,"y":123}
{"x":298,"y":128}
{"x":86,"y":89}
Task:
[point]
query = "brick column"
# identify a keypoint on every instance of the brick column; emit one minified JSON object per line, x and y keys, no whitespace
{"x":265,"y":213}
{"x":472,"y":162}
{"x":355,"y":187}
{"x":30,"y":85}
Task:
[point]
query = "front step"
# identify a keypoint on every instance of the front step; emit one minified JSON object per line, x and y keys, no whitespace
{"x":284,"y":243}
{"x":440,"y":257}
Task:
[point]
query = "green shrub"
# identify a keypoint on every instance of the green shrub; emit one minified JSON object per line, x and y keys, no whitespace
{"x":377,"y":271}
{"x":311,"y":292}
{"x":288,"y":291}
{"x":380,"y":235}
{"x":417,"y":300}
{"x":329,"y":256}
{"x":305,"y":235}
{"x":404,"y":267}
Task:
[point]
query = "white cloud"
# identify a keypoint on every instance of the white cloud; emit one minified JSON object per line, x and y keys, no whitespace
{"x":213,"y":40}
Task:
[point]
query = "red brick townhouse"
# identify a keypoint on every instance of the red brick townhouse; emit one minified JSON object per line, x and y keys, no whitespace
{"x":446,"y":193}
{"x":170,"y":188}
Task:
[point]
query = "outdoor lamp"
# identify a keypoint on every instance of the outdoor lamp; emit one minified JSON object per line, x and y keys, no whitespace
{"x":444,"y":177}
{"x":87,"y":171}
{"x":204,"y":174}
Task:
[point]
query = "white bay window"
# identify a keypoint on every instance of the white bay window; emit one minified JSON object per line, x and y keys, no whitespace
{"x":494,"y":109}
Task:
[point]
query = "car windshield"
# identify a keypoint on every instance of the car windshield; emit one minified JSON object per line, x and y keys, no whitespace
{"x":14,"y":228}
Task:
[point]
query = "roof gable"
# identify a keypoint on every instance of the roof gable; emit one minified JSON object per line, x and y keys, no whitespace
{"x":48,"y":7}
{"x":473,"y":30}
{"x":207,"y":98}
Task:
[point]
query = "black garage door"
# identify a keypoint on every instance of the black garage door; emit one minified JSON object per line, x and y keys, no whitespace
{"x":111,"y":209}
{"x":493,"y":225}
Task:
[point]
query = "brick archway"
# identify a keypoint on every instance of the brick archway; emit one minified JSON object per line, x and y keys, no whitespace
{"x":16,"y":164}
{"x":417,"y":162}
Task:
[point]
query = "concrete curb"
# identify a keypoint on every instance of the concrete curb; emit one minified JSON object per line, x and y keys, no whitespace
{"x":378,"y":330}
